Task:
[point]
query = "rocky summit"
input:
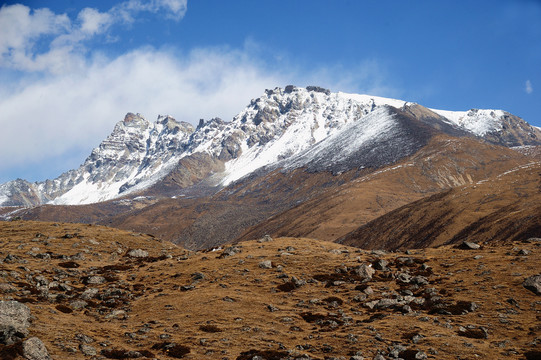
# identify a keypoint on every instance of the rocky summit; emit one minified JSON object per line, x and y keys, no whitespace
{"x":74,"y":291}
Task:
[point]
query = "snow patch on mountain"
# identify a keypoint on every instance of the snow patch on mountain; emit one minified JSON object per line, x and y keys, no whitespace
{"x":478,"y":122}
{"x":311,"y":117}
{"x":348,"y":140}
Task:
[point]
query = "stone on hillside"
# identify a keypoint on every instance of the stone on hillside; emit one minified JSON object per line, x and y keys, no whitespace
{"x":88,"y":350}
{"x":419,"y":280}
{"x":403,"y":278}
{"x":95,"y":280}
{"x":198,"y":276}
{"x":84,"y":338}
{"x":380,"y":264}
{"x":230,"y":251}
{"x":468,"y":245}
{"x":265,"y":238}
{"x":7,"y":288}
{"x":473,"y":332}
{"x":365,"y":271}
{"x":266,"y":264}
{"x":14,"y":321}
{"x":34,"y":349}
{"x":89,"y":293}
{"x":533,"y":283}
{"x":78,"y":304}
{"x":138,"y":253}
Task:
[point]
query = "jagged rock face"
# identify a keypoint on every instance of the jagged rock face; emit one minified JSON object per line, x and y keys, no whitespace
{"x":285,"y":128}
{"x":18,"y":193}
{"x":135,"y":151}
{"x":495,"y":126}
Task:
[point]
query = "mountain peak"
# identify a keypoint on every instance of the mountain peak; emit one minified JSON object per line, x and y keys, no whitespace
{"x":132,"y":118}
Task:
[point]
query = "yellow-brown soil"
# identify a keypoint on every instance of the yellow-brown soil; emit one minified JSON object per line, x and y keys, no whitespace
{"x":310,"y":301}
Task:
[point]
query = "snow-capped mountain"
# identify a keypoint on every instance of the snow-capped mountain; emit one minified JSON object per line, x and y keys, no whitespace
{"x":285,"y":128}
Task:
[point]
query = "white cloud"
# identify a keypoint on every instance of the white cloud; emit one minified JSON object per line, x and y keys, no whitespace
{"x":20,"y":30}
{"x":24,"y":28}
{"x":94,"y":22}
{"x":62,"y":114}
{"x":58,"y":114}
{"x":66,"y":102}
{"x":174,"y":9}
{"x":528,"y":88}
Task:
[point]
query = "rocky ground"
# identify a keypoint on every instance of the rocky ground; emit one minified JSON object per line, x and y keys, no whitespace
{"x":72,"y":291}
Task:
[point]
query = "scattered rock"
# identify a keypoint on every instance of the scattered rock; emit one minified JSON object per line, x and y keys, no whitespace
{"x":265,"y":238}
{"x":230,"y":251}
{"x":533,"y":283}
{"x":84,"y":338}
{"x":137,"y":253}
{"x":198,"y":276}
{"x":380,"y":264}
{"x":78,"y":304}
{"x":7,"y":288}
{"x":468,"y":245}
{"x":365,"y":271}
{"x":94,"y":280}
{"x":88,"y":350}
{"x":411,"y":354}
{"x":14,"y":322}
{"x":89,"y":293}
{"x":34,"y":349}
{"x":266,"y":264}
{"x":473,"y":332}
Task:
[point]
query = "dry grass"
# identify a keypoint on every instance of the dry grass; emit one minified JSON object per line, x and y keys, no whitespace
{"x":195,"y":305}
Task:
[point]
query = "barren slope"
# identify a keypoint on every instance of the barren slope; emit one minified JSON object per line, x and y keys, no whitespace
{"x":505,"y":207}
{"x":443,"y":164}
{"x":287,"y":298}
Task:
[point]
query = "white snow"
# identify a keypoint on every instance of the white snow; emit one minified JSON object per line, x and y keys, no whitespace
{"x":479,"y":122}
{"x":346,"y":141}
{"x":322,"y":117}
{"x":378,"y":101}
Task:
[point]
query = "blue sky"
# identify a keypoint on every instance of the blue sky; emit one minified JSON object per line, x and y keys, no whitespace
{"x":70,"y":69}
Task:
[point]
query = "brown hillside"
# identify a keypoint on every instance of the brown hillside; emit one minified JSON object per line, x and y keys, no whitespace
{"x":507,"y":207}
{"x":286,"y":298}
{"x":299,"y":203}
{"x":443,"y":164}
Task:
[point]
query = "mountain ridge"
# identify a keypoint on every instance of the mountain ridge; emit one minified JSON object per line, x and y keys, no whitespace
{"x":274,"y":128}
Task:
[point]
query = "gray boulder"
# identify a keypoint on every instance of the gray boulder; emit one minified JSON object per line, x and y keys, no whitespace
{"x":468,"y":245}
{"x":533,"y":283}
{"x":138,"y":253}
{"x":14,"y":322}
{"x":34,"y":349}
{"x":365,"y":271}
